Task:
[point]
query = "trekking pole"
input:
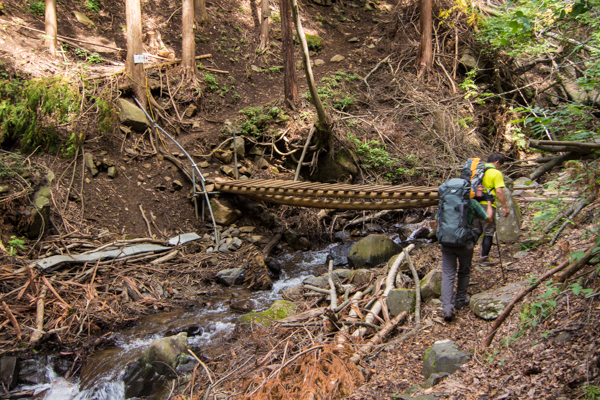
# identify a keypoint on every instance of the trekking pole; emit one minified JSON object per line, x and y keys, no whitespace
{"x":500,"y":257}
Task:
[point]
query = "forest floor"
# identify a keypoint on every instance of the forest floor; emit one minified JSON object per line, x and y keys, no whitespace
{"x":551,"y":360}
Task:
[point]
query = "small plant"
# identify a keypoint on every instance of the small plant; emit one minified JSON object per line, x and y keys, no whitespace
{"x":37,"y":7}
{"x":534,"y":313}
{"x":95,"y":58}
{"x":211,"y":81}
{"x":258,"y":118}
{"x":14,"y":245}
{"x":591,"y":392}
{"x":93,"y":5}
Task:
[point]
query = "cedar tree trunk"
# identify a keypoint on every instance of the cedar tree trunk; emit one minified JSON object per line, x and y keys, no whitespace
{"x":200,"y":11}
{"x":188,"y":45}
{"x":135,"y":72}
{"x":289,"y":67}
{"x":425,"y":59}
{"x":51,"y":27}
{"x":265,"y":13}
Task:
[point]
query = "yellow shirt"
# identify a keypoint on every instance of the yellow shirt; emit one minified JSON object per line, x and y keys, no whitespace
{"x":492,"y":179}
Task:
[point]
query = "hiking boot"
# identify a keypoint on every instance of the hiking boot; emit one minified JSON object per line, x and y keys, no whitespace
{"x":460,"y":304}
{"x":485,"y":261}
{"x":448,"y":316}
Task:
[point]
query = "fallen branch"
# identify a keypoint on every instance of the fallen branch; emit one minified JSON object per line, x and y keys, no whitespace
{"x":417,"y":287}
{"x":55,"y":293}
{"x":147,"y":222}
{"x":332,"y":291}
{"x":524,"y":292}
{"x":576,"y":210}
{"x":576,"y":265}
{"x":12,"y":319}
{"x":539,"y":171}
{"x":378,"y":338}
{"x":39,"y":318}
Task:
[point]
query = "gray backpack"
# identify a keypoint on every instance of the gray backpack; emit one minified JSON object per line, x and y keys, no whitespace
{"x":453,"y":228}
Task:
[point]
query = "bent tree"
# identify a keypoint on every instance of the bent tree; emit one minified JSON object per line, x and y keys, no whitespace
{"x":51,"y":27}
{"x":135,"y":72}
{"x":324,"y":126}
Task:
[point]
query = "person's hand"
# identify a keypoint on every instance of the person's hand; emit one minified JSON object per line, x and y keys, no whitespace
{"x":488,"y":197}
{"x":506,"y":211}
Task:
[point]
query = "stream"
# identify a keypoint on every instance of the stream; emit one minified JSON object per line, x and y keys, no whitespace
{"x":207,"y":327}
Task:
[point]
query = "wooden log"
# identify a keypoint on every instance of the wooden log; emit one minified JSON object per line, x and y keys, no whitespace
{"x":12,"y":319}
{"x":576,"y":265}
{"x":539,"y":171}
{"x":556,"y":143}
{"x":576,"y":210}
{"x":39,"y":318}
{"x":378,"y":338}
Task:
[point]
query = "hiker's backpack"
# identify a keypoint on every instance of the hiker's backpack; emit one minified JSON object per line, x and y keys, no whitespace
{"x":473,"y":171}
{"x":453,"y":228}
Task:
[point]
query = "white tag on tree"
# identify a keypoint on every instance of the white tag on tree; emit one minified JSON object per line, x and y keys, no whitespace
{"x":140,"y":58}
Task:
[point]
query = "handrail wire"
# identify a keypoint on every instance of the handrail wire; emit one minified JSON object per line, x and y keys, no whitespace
{"x":193,"y":165}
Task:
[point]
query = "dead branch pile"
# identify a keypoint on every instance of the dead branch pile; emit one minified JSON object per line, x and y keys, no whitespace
{"x":79,"y":301}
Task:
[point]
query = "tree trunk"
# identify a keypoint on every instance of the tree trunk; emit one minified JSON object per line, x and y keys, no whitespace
{"x":289,"y":67}
{"x":51,"y":27}
{"x":188,"y":45}
{"x":265,"y":13}
{"x":135,"y":72}
{"x":200,"y":11}
{"x":324,"y":127}
{"x":425,"y":51}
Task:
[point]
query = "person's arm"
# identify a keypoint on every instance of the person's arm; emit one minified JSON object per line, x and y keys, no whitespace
{"x":489,"y":212}
{"x":480,"y":212}
{"x":502,"y":200}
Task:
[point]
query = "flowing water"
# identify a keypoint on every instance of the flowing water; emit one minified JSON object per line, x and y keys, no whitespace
{"x":207,"y":327}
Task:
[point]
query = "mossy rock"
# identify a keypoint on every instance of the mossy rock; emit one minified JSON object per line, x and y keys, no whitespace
{"x":280,"y":309}
{"x":315,"y":43}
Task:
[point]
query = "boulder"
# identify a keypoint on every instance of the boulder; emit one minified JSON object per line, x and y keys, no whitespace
{"x":372,"y":251}
{"x":147,"y":374}
{"x":339,"y":253}
{"x":231,"y":277}
{"x":508,"y":228}
{"x":33,"y":371}
{"x":400,"y":300}
{"x":8,"y":371}
{"x":239,"y":146}
{"x":443,"y":356}
{"x":340,"y":168}
{"x":223,"y":212}
{"x":280,"y":309}
{"x":132,"y":116}
{"x":431,"y":285}
{"x":490,"y":304}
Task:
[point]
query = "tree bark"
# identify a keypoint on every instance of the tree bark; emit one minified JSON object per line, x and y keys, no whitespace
{"x":289,"y":67}
{"x":265,"y":13}
{"x":51,"y":26}
{"x":558,"y":146}
{"x":135,"y":72}
{"x":324,"y":127}
{"x":200,"y":12}
{"x":425,"y":51}
{"x":188,"y":44}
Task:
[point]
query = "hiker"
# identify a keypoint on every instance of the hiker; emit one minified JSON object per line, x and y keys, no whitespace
{"x":455,"y":216}
{"x":492,"y":181}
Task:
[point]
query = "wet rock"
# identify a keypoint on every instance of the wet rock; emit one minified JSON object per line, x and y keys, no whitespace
{"x":431,"y":285}
{"x":372,"y":251}
{"x":296,"y":242}
{"x":318,"y":281}
{"x":400,"y":300}
{"x":8,"y":371}
{"x":443,"y":356}
{"x":223,"y":212}
{"x":340,"y":168}
{"x":337,"y":58}
{"x":185,"y":363}
{"x":279,"y":309}
{"x":242,"y":305}
{"x":88,"y":160}
{"x":132,"y":116}
{"x":32,"y":371}
{"x":490,"y":304}
{"x":231,"y":277}
{"x":339,"y":253}
{"x":239,"y":146}
{"x":111,"y":172}
{"x":223,"y":156}
{"x":192,"y":330}
{"x":341,"y":236}
{"x":294,"y":294}
{"x":190,"y":111}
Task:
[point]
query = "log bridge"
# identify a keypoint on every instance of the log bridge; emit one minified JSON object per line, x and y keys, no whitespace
{"x":331,"y":196}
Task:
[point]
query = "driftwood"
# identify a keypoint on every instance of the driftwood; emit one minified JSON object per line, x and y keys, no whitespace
{"x":378,"y":338}
{"x":576,"y":210}
{"x":523,"y":293}
{"x":541,"y":170}
{"x":576,"y":265}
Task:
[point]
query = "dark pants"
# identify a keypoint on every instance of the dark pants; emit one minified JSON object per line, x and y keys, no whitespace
{"x":450,"y":255}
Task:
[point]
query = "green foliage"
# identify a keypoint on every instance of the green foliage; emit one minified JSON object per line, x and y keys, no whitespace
{"x":107,"y":116}
{"x":36,"y":7}
{"x":577,"y":290}
{"x":534,"y":313}
{"x":544,"y":212}
{"x":468,"y":84}
{"x":93,"y":58}
{"x":590,"y":392}
{"x":30,"y":111}
{"x":93,"y":5}
{"x":585,"y":174}
{"x":211,"y":81}
{"x":14,"y":244}
{"x":335,"y":92}
{"x":258,"y":119}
